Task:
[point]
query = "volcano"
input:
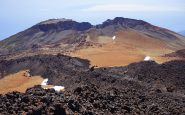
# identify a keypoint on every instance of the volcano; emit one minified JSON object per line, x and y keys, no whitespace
{"x":122,"y":66}
{"x":134,"y":39}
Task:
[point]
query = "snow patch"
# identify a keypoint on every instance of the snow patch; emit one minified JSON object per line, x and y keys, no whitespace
{"x":114,"y":37}
{"x":58,"y":88}
{"x":147,"y":58}
{"x":44,"y":82}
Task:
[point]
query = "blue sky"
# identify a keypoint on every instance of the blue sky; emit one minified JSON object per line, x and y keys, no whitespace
{"x":18,"y":15}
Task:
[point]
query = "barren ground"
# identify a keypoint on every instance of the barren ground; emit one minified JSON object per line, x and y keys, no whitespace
{"x":18,"y":82}
{"x":128,"y":47}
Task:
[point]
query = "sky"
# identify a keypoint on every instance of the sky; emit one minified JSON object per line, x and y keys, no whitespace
{"x":18,"y":15}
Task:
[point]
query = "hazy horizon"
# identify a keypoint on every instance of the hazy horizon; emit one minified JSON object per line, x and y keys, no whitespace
{"x":19,"y":15}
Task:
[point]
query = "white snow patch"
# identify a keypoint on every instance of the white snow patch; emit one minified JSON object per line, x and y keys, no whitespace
{"x":114,"y":37}
{"x":44,"y":82}
{"x":58,"y":88}
{"x":147,"y":58}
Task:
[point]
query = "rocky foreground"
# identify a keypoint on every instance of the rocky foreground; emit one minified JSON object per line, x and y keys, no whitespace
{"x":89,"y":100}
{"x":139,"y":88}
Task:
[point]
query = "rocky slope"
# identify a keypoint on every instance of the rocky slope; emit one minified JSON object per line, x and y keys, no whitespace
{"x":139,"y":88}
{"x":40,"y":64}
{"x":89,"y":100}
{"x":133,"y":40}
{"x":67,"y":35}
{"x":178,"y":53}
{"x":143,"y":87}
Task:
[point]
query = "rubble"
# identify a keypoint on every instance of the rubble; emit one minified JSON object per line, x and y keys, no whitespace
{"x":139,"y":88}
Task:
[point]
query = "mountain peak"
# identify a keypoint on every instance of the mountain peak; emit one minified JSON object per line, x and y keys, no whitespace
{"x":54,"y":21}
{"x":62,"y":24}
{"x":52,"y":33}
{"x":69,"y":24}
{"x":124,"y":22}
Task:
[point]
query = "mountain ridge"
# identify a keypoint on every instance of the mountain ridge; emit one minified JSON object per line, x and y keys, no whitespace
{"x":67,"y":36}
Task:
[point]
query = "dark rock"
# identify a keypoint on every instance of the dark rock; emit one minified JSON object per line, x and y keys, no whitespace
{"x":128,"y":109}
{"x":63,"y":25}
{"x":101,"y":91}
{"x":158,"y":91}
{"x":73,"y":105}
{"x":170,"y":89}
{"x":78,"y":90}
